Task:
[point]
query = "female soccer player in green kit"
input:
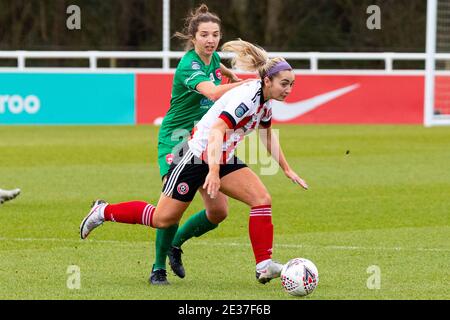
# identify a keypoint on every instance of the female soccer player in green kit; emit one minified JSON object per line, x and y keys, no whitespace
{"x":196,"y":85}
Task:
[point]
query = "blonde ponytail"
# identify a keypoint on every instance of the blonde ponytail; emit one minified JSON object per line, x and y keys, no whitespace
{"x":250,"y":57}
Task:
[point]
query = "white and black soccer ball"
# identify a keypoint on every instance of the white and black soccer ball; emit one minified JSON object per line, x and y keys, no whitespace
{"x":299,"y":277}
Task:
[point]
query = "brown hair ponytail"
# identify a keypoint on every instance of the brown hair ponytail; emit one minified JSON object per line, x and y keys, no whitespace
{"x":199,"y":15}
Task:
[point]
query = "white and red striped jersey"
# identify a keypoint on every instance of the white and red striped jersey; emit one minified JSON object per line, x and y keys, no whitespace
{"x":243,"y":109}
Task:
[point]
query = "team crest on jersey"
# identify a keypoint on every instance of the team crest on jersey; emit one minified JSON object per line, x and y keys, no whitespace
{"x":195,"y":65}
{"x":218,"y":74}
{"x":205,"y":103}
{"x":183,"y":188}
{"x":169,"y":159}
{"x":241,"y":110}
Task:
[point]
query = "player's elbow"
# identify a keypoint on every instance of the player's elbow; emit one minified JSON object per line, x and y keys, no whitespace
{"x":213,"y":96}
{"x":209,"y":90}
{"x":214,"y":93}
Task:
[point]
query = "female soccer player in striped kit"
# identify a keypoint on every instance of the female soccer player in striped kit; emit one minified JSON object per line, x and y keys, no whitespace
{"x":207,"y":161}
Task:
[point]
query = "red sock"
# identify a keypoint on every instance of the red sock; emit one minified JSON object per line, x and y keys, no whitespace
{"x":261,"y":232}
{"x":133,"y":212}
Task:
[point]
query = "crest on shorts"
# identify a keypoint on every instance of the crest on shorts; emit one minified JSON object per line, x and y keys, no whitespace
{"x":241,"y":110}
{"x":183,"y":188}
{"x":169,"y":158}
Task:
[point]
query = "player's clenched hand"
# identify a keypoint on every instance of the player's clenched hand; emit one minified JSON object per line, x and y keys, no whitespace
{"x":212,"y":184}
{"x":233,"y":78}
{"x":296,"y":179}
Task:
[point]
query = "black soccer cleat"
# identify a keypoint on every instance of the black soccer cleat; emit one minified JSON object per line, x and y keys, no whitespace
{"x":262,"y":280}
{"x":175,"y":261}
{"x":158,"y":277}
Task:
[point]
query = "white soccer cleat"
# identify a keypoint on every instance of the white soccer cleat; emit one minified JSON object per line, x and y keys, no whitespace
{"x":270,"y":271}
{"x":94,"y":218}
{"x":6,"y":195}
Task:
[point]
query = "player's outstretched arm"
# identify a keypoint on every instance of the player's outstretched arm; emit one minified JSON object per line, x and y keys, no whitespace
{"x":213,"y":92}
{"x":272,"y":143}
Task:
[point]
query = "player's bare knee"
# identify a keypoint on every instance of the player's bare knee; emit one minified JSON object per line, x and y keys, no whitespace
{"x":163,"y":223}
{"x":262,"y":200}
{"x":217,"y":216}
{"x":167,"y":225}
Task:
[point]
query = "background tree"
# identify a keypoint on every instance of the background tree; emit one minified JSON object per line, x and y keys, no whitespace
{"x":277,"y":25}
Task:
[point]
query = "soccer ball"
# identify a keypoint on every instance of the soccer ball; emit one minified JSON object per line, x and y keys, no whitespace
{"x":299,"y":277}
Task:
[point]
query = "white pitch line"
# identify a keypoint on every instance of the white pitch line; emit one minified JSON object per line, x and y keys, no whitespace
{"x":225,"y":244}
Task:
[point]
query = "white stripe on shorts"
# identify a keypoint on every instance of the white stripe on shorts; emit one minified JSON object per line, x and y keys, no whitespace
{"x":176,"y":173}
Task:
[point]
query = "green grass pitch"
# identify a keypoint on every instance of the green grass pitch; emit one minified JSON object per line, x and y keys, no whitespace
{"x":379,"y":196}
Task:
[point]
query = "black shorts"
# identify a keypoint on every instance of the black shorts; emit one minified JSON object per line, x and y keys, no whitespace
{"x":187,"y":173}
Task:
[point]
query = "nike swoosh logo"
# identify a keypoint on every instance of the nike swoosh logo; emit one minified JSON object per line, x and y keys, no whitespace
{"x":283,"y":111}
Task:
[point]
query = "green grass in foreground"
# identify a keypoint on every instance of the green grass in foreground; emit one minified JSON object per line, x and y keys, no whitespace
{"x":385,"y":203}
